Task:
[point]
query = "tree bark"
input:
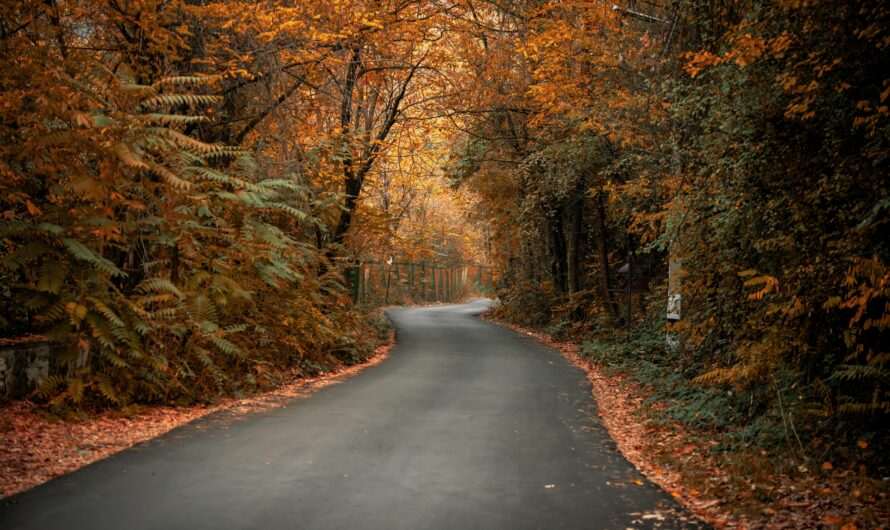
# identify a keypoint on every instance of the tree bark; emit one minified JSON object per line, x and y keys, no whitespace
{"x":602,"y":245}
{"x":573,"y":243}
{"x":558,"y":251}
{"x":354,"y":172}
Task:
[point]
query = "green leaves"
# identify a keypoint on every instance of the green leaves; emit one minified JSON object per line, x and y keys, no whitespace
{"x":84,"y":253}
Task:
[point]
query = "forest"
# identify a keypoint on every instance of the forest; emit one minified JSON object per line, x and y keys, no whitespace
{"x":694,"y":191}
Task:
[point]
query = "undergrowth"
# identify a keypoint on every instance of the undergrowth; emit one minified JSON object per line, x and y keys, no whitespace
{"x":733,"y":421}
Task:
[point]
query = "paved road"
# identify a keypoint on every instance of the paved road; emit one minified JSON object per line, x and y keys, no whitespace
{"x":466,"y":425}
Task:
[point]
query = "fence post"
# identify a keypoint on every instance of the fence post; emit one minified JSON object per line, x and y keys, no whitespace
{"x":355,"y":287}
{"x":453,"y":285}
{"x":361,"y":274}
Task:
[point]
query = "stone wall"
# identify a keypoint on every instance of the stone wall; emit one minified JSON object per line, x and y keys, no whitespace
{"x":23,"y":367}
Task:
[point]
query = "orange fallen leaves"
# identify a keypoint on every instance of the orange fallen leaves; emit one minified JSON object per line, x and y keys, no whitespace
{"x":34,"y":449}
{"x":786,"y":502}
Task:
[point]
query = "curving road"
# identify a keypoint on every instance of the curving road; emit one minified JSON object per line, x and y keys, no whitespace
{"x":466,"y":425}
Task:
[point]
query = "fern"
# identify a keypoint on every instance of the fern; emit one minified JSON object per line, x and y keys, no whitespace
{"x":170,"y":120}
{"x":225,"y":346}
{"x":50,"y":386}
{"x":184,"y":80}
{"x":106,"y":387}
{"x":158,"y":285}
{"x":859,"y":372}
{"x":106,"y":311}
{"x":75,"y":389}
{"x":177,"y":100}
{"x":83,"y":253}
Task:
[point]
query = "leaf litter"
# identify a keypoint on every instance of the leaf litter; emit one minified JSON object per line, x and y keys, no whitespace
{"x":686,"y":468}
{"x":36,"y":447}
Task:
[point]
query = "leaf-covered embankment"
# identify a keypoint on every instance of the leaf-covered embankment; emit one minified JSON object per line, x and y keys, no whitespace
{"x":726,"y":487}
{"x":37,"y":446}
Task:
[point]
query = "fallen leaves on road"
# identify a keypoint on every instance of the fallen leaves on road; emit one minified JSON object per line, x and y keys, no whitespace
{"x":708,"y":487}
{"x":34,"y":448}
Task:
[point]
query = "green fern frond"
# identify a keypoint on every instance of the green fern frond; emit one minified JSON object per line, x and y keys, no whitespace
{"x":858,"y":372}
{"x":51,"y":276}
{"x":101,"y":331}
{"x":75,"y":389}
{"x":83,"y":253}
{"x":50,"y":386}
{"x":170,"y":178}
{"x":158,"y":285}
{"x":105,"y":385}
{"x":225,"y":346}
{"x":206,"y":360}
{"x":106,"y":311}
{"x":205,"y":173}
{"x":290,"y":210}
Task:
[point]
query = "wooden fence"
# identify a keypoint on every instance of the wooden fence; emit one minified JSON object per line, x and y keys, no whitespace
{"x":376,"y":283}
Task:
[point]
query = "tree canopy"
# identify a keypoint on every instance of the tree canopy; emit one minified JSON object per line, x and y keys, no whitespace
{"x":184,"y":185}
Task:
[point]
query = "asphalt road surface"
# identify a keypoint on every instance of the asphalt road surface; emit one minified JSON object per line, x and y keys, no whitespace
{"x":466,"y":425}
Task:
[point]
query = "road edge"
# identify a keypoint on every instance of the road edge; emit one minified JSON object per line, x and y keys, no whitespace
{"x":23,"y":426}
{"x":617,"y":407}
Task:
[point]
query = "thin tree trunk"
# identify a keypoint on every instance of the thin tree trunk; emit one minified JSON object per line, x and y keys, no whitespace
{"x":602,"y":245}
{"x":558,"y":258}
{"x":573,"y":250}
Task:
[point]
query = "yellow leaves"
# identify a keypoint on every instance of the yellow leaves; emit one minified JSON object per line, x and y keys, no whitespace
{"x":267,"y":36}
{"x":780,"y":44}
{"x":788,"y":82}
{"x":372,"y":23}
{"x":768,"y":284}
{"x":107,"y":233}
{"x":718,"y":376}
{"x":77,"y":312}
{"x":747,"y":49}
{"x":700,"y":61}
{"x":33,"y":210}
{"x":128,"y":157}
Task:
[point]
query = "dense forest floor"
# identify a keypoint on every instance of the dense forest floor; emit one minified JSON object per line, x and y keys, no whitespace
{"x":727,"y":489}
{"x":38,"y":445}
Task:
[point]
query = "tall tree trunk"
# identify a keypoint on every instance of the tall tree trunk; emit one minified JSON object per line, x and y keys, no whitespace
{"x":558,"y":254}
{"x":355,"y":171}
{"x":602,"y":246}
{"x":573,"y":242}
